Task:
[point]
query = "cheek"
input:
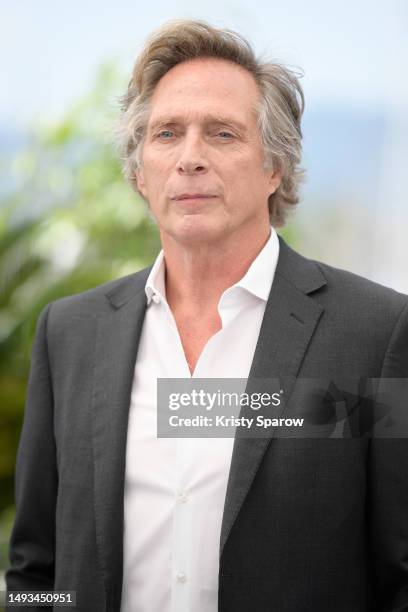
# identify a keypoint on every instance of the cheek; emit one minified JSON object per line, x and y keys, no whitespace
{"x":158,"y":160}
{"x":157,"y":173}
{"x":248,"y":179}
{"x":251,"y":190}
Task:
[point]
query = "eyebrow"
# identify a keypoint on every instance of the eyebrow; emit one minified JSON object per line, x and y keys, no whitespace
{"x":209,"y":119}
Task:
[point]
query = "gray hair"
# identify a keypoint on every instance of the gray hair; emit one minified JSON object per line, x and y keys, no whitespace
{"x":279,"y":108}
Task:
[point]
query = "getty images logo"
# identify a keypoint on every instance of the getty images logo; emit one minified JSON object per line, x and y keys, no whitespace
{"x":208,"y":400}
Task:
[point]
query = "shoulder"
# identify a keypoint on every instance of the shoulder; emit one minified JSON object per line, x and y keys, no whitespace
{"x":371,"y":313}
{"x":340,"y":289}
{"x":364,"y":313}
{"x":360,"y":298}
{"x":355,"y":310}
{"x":359,"y":291}
{"x":90,"y":304}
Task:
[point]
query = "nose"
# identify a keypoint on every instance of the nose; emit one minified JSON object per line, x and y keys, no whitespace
{"x":193,"y":159}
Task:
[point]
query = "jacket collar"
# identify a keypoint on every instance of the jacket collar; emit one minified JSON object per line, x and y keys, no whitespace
{"x":302,"y":273}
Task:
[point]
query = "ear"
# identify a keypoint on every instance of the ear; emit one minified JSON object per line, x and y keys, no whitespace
{"x":274,"y":181}
{"x":140,"y":182}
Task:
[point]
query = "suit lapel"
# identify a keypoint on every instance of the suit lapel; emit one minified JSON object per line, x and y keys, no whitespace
{"x":289,"y":322}
{"x":118,"y":336}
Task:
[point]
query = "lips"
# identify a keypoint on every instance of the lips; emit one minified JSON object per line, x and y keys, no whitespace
{"x":193,"y":196}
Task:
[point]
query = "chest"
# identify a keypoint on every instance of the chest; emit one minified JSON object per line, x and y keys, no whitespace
{"x":194,"y":335}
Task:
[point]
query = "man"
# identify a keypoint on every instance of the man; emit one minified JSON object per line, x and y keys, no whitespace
{"x":132,"y":522}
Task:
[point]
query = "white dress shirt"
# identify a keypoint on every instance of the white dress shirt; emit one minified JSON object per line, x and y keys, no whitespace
{"x":175,"y":487}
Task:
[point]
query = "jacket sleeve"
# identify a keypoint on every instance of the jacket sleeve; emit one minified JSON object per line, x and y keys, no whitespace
{"x":32,"y":543}
{"x":388,"y":490}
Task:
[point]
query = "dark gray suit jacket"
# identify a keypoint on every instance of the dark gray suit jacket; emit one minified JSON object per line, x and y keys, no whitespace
{"x":308,"y":524}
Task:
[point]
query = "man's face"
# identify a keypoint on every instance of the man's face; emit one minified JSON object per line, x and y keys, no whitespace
{"x":202,"y":170}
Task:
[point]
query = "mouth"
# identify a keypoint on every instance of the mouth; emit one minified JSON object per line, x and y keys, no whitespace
{"x":193,"y":196}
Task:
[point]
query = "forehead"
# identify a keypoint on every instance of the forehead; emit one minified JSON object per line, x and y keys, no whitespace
{"x":206,"y":85}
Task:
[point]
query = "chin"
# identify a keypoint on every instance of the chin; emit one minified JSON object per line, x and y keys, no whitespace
{"x":193,"y":229}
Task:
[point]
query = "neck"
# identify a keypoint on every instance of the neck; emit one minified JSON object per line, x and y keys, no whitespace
{"x":196,"y":276}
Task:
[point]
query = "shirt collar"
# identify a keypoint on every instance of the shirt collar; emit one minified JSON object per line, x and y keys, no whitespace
{"x":155,"y":284}
{"x":259,"y":276}
{"x":257,"y":279}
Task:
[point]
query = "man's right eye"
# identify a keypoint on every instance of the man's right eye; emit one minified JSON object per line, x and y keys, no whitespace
{"x":165,"y":134}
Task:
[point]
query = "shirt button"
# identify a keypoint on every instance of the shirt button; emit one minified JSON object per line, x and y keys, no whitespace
{"x":182,"y":497}
{"x":181,"y":577}
{"x":155,"y":298}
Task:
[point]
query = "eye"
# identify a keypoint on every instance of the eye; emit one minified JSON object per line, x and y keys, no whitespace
{"x":225,"y":135}
{"x":165,"y":134}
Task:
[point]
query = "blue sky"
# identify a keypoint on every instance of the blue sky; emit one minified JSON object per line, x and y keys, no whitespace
{"x":351,"y":51}
{"x":354,"y":56}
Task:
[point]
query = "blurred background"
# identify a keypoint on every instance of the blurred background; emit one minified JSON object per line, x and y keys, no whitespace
{"x":69,"y":222}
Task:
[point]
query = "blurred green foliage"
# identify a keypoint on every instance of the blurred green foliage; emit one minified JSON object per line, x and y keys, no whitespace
{"x":71,"y":223}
